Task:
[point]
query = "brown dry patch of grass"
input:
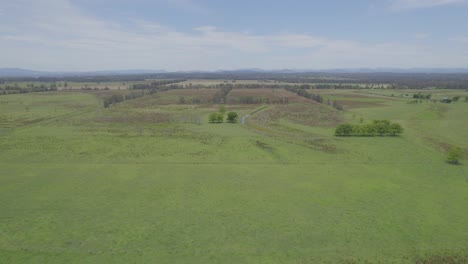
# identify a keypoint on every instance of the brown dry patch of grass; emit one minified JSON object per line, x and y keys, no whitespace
{"x":442,"y":146}
{"x":201,"y":96}
{"x":348,"y":104}
{"x":312,"y":114}
{"x":201,"y":93}
{"x":267,"y":93}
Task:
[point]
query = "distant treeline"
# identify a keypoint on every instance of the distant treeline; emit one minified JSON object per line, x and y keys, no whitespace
{"x":30,"y":88}
{"x":321,"y":80}
{"x":376,"y":80}
{"x":158,"y":85}
{"x":301,"y":91}
{"x":259,"y":100}
{"x":140,"y":90}
{"x":376,"y":128}
{"x":118,"y":98}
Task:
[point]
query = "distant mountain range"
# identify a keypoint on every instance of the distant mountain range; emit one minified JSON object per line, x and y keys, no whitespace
{"x":17,"y":72}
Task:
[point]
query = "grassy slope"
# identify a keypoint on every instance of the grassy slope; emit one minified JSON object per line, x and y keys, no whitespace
{"x":79,"y":190}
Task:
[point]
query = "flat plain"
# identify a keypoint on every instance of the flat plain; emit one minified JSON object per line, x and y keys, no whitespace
{"x":151,"y":180}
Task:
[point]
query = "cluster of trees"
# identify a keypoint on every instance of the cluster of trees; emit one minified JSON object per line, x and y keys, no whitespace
{"x":155,"y":86}
{"x":376,"y":80}
{"x":218,"y":117}
{"x":118,"y":98}
{"x":30,"y":88}
{"x":221,"y":96}
{"x":320,"y":80}
{"x":301,"y":91}
{"x":259,"y":100}
{"x":376,"y":128}
{"x":448,"y":100}
{"x":422,"y":96}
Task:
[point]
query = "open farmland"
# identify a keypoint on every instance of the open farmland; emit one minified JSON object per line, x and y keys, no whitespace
{"x":149,"y":179}
{"x":262,"y":95}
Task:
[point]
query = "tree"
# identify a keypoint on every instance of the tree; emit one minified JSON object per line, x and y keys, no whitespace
{"x":395,"y":129}
{"x":216,"y":118}
{"x":344,"y":130}
{"x":456,"y":98}
{"x":377,"y":127}
{"x":232,"y":117}
{"x":455,"y":155}
{"x":382,"y":127}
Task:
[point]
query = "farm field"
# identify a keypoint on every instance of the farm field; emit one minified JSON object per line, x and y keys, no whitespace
{"x":150,"y":180}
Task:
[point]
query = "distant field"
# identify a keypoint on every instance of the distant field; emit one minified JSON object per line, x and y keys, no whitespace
{"x":217,"y":82}
{"x":271,"y":94}
{"x":149,"y":180}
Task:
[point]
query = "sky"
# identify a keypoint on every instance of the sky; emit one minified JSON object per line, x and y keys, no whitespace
{"x":181,"y":35}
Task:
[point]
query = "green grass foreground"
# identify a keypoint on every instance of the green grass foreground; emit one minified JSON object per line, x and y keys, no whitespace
{"x":140,"y":183}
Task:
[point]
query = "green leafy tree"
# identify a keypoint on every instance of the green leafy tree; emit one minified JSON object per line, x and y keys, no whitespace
{"x":368,"y":130}
{"x":216,"y":118}
{"x":344,"y":130}
{"x":396,"y":129}
{"x":377,"y":127}
{"x":455,"y":155}
{"x":382,"y":127}
{"x":456,"y":98}
{"x":232,"y":117}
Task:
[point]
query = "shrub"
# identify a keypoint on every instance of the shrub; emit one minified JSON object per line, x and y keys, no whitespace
{"x":455,"y":155}
{"x":232,"y":117}
{"x":216,"y":118}
{"x":377,"y":127}
{"x":344,"y":130}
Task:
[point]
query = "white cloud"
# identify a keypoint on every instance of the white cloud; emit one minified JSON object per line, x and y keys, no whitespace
{"x":56,"y":35}
{"x":462,"y":39}
{"x":422,"y":35}
{"x":414,"y":4}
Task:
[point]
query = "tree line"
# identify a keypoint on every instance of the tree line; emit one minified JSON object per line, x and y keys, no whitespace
{"x":158,"y":85}
{"x":30,"y":88}
{"x":301,"y":91}
{"x":220,"y":96}
{"x":118,"y":98}
{"x":376,"y":128}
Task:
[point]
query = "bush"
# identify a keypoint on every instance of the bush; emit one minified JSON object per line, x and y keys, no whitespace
{"x":232,"y":117}
{"x":377,"y":127}
{"x":455,"y":155}
{"x":344,"y":130}
{"x":216,"y":118}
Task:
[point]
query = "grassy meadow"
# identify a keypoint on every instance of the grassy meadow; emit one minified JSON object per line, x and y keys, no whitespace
{"x":149,"y":180}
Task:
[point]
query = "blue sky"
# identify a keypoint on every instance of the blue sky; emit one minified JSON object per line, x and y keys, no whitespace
{"x":175,"y":35}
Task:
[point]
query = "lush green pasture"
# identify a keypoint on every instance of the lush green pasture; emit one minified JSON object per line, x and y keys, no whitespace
{"x":151,"y":181}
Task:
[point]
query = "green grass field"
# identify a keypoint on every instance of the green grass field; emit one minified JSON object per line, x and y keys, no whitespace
{"x":151,"y":181}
